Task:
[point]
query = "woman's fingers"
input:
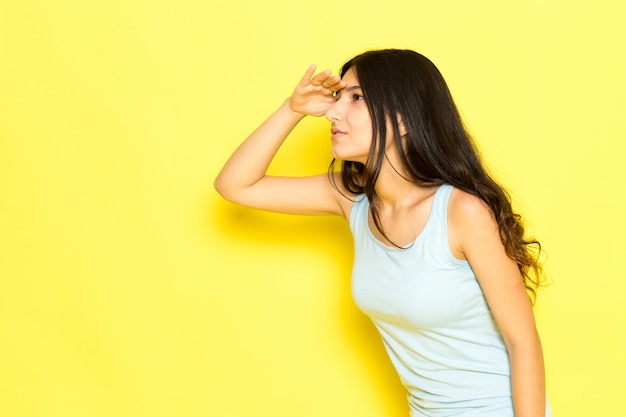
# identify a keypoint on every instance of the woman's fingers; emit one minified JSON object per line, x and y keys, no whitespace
{"x":323,"y":79}
{"x":320,"y":78}
{"x":306,"y":78}
{"x":334,"y":83}
{"x":310,"y":78}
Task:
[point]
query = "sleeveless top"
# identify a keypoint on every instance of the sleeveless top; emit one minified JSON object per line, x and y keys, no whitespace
{"x":433,"y":318}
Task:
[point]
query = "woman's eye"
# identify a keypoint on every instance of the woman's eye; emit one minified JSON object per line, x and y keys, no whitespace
{"x":357,"y":97}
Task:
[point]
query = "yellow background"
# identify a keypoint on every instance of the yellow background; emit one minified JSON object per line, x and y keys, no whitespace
{"x":129,"y":288}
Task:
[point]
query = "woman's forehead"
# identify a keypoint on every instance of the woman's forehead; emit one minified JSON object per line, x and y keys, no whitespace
{"x":350,"y":78}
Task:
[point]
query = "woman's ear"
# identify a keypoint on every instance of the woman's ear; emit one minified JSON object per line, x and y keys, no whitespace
{"x":401,"y":126}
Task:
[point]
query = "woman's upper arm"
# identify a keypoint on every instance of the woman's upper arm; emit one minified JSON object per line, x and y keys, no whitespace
{"x":474,"y":234}
{"x":313,"y":195}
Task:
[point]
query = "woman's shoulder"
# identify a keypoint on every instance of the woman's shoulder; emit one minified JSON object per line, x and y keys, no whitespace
{"x":470,"y":220}
{"x":466,"y":206}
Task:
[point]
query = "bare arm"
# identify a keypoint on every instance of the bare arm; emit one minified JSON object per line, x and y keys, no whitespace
{"x":475,"y":237}
{"x":243,"y":178}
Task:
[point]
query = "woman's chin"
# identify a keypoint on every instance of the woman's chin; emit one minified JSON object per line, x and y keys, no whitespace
{"x":338,"y":155}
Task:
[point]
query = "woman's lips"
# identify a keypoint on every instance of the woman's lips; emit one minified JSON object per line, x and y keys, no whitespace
{"x":336,"y":134}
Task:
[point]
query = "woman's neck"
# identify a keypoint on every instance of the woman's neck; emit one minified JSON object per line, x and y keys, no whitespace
{"x":395,"y":190}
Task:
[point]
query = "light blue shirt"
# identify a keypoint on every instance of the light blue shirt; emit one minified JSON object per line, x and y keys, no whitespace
{"x":433,"y":318}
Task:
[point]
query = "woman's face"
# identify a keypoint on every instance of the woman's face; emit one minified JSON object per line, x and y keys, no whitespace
{"x":351,"y":130}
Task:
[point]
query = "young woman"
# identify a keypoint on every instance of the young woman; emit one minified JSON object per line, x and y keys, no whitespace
{"x":441,"y":265}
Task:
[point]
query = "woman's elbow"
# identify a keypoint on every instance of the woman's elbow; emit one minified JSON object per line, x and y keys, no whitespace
{"x":222,"y":187}
{"x":230,"y":191}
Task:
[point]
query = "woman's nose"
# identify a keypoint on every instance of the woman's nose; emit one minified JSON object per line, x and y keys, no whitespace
{"x":333,"y":112}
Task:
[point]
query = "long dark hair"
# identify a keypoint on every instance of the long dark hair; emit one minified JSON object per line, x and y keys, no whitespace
{"x":436,"y":149}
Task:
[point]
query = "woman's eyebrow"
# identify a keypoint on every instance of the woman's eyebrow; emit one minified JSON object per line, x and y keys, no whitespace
{"x":348,"y":89}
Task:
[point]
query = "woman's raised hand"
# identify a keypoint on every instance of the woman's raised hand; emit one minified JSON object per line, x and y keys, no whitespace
{"x":315,"y":93}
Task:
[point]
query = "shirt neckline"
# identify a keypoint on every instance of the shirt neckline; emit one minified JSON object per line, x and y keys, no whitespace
{"x":409,"y":245}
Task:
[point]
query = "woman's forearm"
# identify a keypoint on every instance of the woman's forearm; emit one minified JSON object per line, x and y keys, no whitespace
{"x":528,"y":379}
{"x":249,"y":163}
